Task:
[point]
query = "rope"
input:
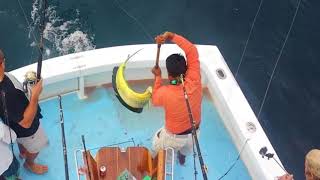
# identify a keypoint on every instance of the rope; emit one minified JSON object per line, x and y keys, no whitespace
{"x":275,"y":67}
{"x":245,"y":47}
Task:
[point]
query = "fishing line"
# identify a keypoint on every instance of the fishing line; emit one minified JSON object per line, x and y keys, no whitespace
{"x":245,"y":47}
{"x":116,"y":144}
{"x":234,"y":163}
{"x":41,"y":29}
{"x":29,"y":25}
{"x":275,"y":66}
{"x":271,"y":78}
{"x":135,"y":19}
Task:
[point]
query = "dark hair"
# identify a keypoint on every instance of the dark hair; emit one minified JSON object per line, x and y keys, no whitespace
{"x":176,"y":65}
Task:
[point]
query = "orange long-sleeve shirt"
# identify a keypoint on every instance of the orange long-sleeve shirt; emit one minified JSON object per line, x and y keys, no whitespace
{"x":171,"y":97}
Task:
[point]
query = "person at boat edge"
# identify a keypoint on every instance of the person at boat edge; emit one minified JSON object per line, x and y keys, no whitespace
{"x":177,"y":132}
{"x":311,"y":166}
{"x":24,"y":115}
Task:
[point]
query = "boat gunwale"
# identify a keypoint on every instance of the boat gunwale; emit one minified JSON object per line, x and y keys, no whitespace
{"x":226,"y":94}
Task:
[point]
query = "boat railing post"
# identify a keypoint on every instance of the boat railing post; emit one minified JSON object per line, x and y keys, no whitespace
{"x":81,"y":90}
{"x":169,"y":161}
{"x":76,"y":161}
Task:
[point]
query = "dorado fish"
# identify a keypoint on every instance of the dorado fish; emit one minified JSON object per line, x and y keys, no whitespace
{"x":132,"y":100}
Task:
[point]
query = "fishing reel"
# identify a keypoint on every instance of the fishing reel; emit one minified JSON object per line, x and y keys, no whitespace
{"x":263,"y":152}
{"x":30,"y":79}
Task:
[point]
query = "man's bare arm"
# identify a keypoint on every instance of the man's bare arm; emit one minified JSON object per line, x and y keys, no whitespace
{"x":32,"y":108}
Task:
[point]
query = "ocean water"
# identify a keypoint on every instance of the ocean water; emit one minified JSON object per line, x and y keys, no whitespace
{"x":290,"y":115}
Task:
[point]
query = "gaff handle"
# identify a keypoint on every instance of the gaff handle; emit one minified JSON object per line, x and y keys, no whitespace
{"x":158,"y":55}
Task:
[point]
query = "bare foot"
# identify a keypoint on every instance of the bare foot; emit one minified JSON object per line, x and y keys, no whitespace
{"x":36,"y":168}
{"x":182,"y":158}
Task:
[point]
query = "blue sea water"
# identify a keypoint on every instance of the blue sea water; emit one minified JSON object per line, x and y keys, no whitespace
{"x":290,"y":115}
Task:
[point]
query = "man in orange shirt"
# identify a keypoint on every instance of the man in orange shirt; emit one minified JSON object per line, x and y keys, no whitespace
{"x":177,"y":132}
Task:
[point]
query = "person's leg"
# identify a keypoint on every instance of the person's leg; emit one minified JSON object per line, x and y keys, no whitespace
{"x":30,"y":148}
{"x":23,"y":151}
{"x":187,"y":148}
{"x":157,"y":143}
{"x":32,"y":166}
{"x":181,"y":158}
{"x":164,"y":139}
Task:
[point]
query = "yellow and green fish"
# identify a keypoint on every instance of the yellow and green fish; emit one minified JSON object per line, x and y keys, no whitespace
{"x":129,"y":98}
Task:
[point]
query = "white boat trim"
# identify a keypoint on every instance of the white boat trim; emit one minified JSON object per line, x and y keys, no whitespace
{"x":74,"y":72}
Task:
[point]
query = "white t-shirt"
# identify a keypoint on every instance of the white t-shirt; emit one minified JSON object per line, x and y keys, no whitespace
{"x":5,"y":149}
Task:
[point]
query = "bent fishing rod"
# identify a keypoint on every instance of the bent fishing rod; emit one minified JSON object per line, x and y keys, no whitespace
{"x":41,"y":29}
{"x":31,"y":77}
{"x":64,"y":146}
{"x":194,"y":133}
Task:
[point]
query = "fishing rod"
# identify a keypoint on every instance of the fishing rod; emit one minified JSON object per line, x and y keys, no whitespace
{"x":6,"y":117}
{"x":42,"y":26}
{"x":194,"y":134}
{"x":64,"y":146}
{"x":263,"y":152}
{"x":32,"y":77}
{"x":85,"y":151}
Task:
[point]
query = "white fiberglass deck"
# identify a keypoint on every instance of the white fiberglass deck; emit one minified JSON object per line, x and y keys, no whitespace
{"x":103,"y":121}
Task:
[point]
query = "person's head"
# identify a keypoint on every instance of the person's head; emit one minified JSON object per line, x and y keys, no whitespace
{"x":312,"y":165}
{"x":2,"y":59}
{"x":176,"y":65}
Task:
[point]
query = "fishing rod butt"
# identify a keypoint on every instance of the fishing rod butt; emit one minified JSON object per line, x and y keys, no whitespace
{"x":60,"y":104}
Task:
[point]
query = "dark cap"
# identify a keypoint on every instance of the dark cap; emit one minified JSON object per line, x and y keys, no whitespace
{"x":176,"y":65}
